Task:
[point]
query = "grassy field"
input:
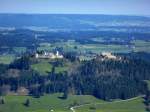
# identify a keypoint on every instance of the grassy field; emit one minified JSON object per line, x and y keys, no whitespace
{"x":75,"y":46}
{"x":140,"y":45}
{"x":98,"y":48}
{"x":67,"y":46}
{"x":6,"y":59}
{"x":45,"y":103}
{"x":53,"y":102}
{"x":42,"y":67}
{"x":135,"y":105}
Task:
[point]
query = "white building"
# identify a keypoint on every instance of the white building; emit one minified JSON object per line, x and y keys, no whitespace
{"x":108,"y":55}
{"x":49,"y":55}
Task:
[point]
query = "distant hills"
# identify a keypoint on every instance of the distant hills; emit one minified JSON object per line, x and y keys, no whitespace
{"x":71,"y":22}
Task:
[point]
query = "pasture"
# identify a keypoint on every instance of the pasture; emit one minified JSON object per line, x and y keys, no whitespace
{"x":6,"y":59}
{"x":45,"y":103}
{"x":133,"y":105}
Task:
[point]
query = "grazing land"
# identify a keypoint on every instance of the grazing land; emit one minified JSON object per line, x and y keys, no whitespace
{"x":133,"y":105}
{"x":42,"y":67}
{"x":141,"y":46}
{"x":6,"y":59}
{"x":54,"y":102}
{"x":134,"y":46}
{"x":45,"y":103}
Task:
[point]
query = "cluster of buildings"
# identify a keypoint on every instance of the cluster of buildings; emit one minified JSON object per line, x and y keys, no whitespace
{"x":57,"y":55}
{"x":49,"y":55}
{"x":108,"y":55}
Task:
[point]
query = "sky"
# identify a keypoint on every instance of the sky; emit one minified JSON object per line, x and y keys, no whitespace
{"x":119,"y":7}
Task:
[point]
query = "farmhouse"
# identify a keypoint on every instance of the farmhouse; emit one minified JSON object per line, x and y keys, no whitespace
{"x":108,"y":55}
{"x":49,"y":55}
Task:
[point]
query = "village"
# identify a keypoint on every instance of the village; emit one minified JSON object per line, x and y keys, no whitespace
{"x":58,"y":55}
{"x":49,"y":55}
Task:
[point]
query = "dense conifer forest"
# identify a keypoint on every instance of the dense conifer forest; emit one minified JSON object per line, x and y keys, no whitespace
{"x":105,"y":79}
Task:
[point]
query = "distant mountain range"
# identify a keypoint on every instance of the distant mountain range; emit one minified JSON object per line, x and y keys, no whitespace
{"x":72,"y":22}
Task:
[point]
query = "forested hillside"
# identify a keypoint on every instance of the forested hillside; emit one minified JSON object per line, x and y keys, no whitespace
{"x":105,"y":79}
{"x":111,"y":79}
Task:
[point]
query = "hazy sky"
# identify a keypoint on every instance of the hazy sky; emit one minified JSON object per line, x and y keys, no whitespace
{"x":127,"y":7}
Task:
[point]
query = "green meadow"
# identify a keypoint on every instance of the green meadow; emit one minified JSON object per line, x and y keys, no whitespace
{"x":141,"y":46}
{"x":133,"y":105}
{"x":44,"y":67}
{"x":6,"y":59}
{"x":53,"y":102}
{"x":76,"y":46}
{"x":45,"y":103}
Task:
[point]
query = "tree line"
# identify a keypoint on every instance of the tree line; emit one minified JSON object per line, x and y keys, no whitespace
{"x":107,"y":79}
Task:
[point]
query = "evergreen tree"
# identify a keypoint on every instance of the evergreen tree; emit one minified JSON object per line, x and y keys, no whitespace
{"x":2,"y":101}
{"x":27,"y":103}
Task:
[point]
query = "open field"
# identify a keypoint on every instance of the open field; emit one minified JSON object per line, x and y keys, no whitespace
{"x":138,"y":46}
{"x":141,"y":46}
{"x":6,"y":59}
{"x":53,"y":102}
{"x":44,"y":67}
{"x":95,"y":48}
{"x":98,"y":48}
{"x":133,"y":105}
{"x":45,"y":103}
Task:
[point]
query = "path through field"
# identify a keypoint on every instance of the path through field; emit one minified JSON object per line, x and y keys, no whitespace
{"x":73,"y":108}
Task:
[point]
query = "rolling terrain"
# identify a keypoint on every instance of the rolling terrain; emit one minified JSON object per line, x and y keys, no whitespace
{"x":84,"y":79}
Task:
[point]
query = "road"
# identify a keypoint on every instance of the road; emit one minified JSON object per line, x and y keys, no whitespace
{"x":73,"y":108}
